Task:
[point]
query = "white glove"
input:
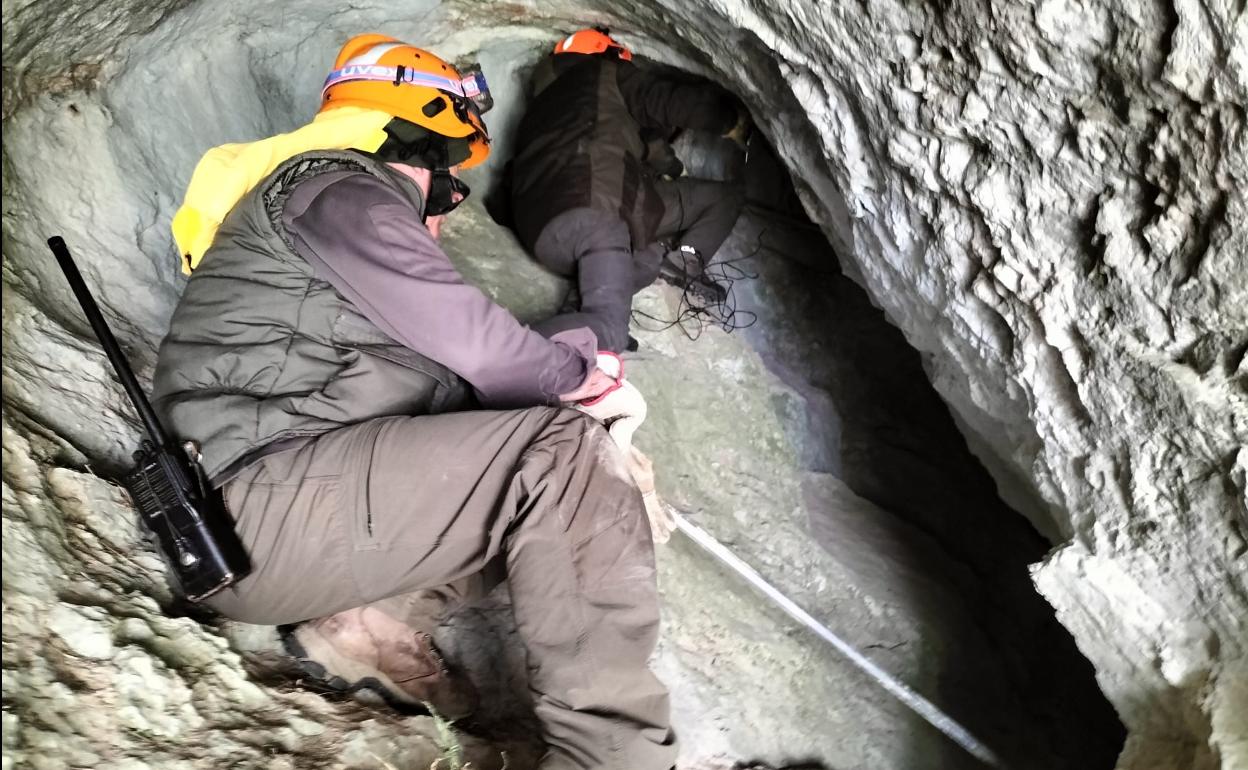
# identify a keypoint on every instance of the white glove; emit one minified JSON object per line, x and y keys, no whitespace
{"x":611,"y":364}
{"x":622,"y":410}
{"x":661,"y":520}
{"x":740,"y":131}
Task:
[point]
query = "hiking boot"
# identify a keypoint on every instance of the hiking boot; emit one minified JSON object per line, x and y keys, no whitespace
{"x":685,"y":269}
{"x":364,"y":649}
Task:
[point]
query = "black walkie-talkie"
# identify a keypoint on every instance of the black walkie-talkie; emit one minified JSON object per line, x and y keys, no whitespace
{"x":168,"y":484}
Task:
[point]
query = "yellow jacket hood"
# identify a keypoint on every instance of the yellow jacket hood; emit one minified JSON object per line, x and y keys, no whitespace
{"x":226,"y":173}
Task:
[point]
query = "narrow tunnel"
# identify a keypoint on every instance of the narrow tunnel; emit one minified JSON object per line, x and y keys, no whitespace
{"x":811,"y":441}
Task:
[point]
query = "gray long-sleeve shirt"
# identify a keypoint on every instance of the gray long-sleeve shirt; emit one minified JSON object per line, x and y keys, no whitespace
{"x":369,"y":243}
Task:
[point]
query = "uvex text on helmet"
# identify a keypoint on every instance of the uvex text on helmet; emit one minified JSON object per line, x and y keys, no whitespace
{"x":379,"y":72}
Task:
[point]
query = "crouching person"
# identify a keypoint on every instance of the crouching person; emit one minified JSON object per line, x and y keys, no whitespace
{"x":334,"y":366}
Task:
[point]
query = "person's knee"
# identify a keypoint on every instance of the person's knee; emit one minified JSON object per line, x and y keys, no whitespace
{"x":554,"y":252}
{"x":576,"y":233}
{"x":603,"y":228}
{"x":567,"y":432}
{"x":573,"y":439}
{"x":582,"y":493}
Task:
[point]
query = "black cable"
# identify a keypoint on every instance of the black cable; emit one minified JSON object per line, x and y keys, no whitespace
{"x":695,"y":311}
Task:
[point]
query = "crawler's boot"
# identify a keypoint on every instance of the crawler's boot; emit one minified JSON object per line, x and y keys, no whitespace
{"x":364,"y":649}
{"x":685,"y":268}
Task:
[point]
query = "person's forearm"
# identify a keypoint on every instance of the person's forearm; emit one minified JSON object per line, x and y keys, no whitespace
{"x":369,"y":243}
{"x":659,"y":102}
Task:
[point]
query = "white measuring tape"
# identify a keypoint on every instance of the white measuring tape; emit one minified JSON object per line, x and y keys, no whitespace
{"x":917,"y":703}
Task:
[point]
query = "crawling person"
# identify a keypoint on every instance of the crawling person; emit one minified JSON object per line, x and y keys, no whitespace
{"x":585,"y":201}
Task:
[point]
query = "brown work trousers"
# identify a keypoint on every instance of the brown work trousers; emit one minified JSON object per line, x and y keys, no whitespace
{"x":400,"y":504}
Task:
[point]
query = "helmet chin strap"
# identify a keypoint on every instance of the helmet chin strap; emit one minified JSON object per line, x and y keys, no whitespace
{"x":446,"y":191}
{"x":443,"y":193}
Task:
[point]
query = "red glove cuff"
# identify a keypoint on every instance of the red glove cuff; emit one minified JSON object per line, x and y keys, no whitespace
{"x":613,"y":366}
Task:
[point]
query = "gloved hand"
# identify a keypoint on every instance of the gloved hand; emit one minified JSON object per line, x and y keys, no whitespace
{"x":602,"y":380}
{"x":740,"y":133}
{"x":621,"y":407}
{"x":622,"y":410}
{"x":661,"y":520}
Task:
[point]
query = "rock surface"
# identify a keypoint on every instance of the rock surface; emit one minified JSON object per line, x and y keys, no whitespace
{"x":746,"y":434}
{"x":101,"y":671}
{"x":1046,"y":198}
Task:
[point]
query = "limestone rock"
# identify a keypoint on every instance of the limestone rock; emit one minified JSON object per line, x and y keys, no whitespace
{"x":102,"y":670}
{"x":1047,"y":199}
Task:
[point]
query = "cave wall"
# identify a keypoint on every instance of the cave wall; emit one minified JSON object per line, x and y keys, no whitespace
{"x":1046,"y":198}
{"x":1049,"y":202}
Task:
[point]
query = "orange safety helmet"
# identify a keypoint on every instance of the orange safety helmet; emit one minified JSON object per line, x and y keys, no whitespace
{"x":592,"y":41}
{"x":381,"y":73}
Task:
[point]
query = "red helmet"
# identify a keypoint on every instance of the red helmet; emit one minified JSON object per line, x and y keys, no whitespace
{"x":592,"y":41}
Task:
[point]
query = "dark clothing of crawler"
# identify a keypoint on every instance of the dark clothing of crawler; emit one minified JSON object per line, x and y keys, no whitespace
{"x":585,"y":201}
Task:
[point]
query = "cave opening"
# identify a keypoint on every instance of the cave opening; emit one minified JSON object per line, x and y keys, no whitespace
{"x":811,"y":441}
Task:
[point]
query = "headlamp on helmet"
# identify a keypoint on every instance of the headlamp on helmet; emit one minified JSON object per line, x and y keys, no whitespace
{"x":475,"y":87}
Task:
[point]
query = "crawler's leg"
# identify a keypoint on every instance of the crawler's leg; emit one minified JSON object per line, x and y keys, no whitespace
{"x":596,"y":249}
{"x":700,"y":213}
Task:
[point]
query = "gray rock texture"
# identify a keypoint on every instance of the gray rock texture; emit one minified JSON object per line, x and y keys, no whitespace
{"x":1047,"y":199}
{"x":101,"y":671}
{"x":768,"y":438}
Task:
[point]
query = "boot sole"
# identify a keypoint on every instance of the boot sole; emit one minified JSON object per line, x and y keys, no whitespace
{"x":349,"y":677}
